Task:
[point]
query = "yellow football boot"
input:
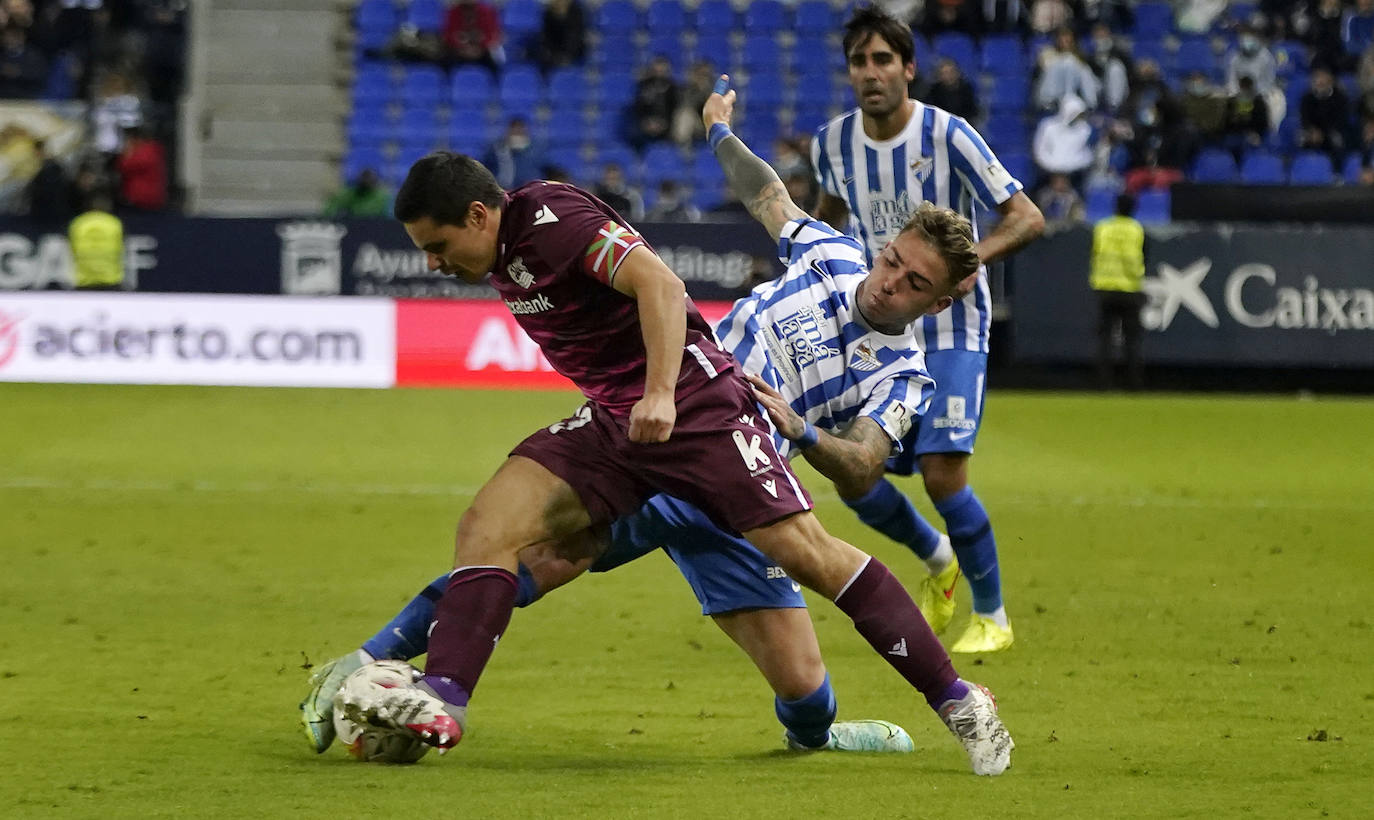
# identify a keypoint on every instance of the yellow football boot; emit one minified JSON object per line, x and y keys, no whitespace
{"x":936,"y":597}
{"x":983,"y":635}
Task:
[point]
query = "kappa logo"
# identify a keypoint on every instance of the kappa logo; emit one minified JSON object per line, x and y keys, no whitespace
{"x":898,"y":649}
{"x":751,"y":451}
{"x":864,"y":358}
{"x":545,"y":216}
{"x":1174,"y":288}
{"x":519,"y":274}
{"x":747,"y":420}
{"x":772,"y":487}
{"x":580,"y":419}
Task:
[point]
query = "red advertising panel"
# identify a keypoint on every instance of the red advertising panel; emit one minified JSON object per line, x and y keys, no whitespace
{"x":476,"y":344}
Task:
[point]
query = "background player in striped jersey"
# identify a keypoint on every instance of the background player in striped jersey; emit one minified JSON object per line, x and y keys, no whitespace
{"x":875,"y":164}
{"x":829,"y":341}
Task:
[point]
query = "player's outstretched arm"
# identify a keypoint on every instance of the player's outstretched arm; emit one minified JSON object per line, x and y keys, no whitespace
{"x":854,"y":460}
{"x":754,"y":181}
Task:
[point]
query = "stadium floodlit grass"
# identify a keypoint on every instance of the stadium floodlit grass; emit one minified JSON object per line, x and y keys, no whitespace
{"x":1189,"y":579}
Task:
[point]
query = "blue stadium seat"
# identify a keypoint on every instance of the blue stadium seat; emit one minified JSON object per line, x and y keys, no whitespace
{"x":665,"y":17}
{"x":1150,"y":49}
{"x":423,"y":85}
{"x":521,"y":90}
{"x":1017,"y":162}
{"x":616,"y":54}
{"x":922,"y":53}
{"x":816,"y":17}
{"x":1311,"y":168}
{"x":761,"y":53}
{"x":467,"y":129}
{"x":622,"y":155}
{"x":809,"y":117}
{"x":1007,"y":96}
{"x":565,"y":127}
{"x":662,"y":161}
{"x":705,"y":169}
{"x":1098,"y":204}
{"x":714,"y":47}
{"x":765,"y":89}
{"x":568,"y":88}
{"x":960,"y":49}
{"x":1291,"y":58}
{"x":361,"y":158}
{"x":367,"y":130}
{"x":521,"y":19}
{"x":764,"y":16}
{"x":715,"y":17}
{"x":1351,"y":172}
{"x":425,"y":15}
{"x":615,"y":90}
{"x":1005,"y":133}
{"x":1003,"y":55}
{"x":472,"y":88}
{"x":372,"y":85}
{"x":666,"y":45}
{"x":375,"y":14}
{"x":1262,"y":168}
{"x":1152,"y":20}
{"x":1152,"y":207}
{"x":419,"y":126}
{"x":1195,"y":54}
{"x":1214,"y":165}
{"x":616,"y":15}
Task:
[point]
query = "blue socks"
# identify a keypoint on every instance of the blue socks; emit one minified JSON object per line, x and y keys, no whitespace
{"x":407,"y":634}
{"x":887,"y":510}
{"x":808,"y":719}
{"x":970,"y":533}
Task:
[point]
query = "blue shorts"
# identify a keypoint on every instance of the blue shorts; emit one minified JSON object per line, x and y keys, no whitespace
{"x":956,"y":409}
{"x":725,"y":571}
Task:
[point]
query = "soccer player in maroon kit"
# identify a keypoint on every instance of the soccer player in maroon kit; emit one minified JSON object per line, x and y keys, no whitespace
{"x":667,"y":411}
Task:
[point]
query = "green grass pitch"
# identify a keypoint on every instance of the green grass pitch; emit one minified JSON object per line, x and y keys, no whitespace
{"x":1189,"y":578}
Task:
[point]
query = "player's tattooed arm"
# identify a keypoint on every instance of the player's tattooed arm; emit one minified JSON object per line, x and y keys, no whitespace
{"x":754,"y":181}
{"x":832,"y":211}
{"x":1021,"y":224}
{"x":853,"y":459}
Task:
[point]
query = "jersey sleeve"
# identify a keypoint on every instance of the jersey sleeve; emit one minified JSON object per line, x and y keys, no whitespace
{"x":570,"y":233}
{"x":820,"y":161}
{"x":810,"y":241}
{"x":897,"y":402}
{"x":977,"y":166}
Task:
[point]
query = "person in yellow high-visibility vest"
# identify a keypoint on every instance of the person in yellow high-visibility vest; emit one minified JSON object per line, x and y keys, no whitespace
{"x":1118,"y":266}
{"x":97,"y":240}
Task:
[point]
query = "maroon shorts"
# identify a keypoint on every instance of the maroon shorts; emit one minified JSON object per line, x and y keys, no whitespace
{"x":720,"y":458}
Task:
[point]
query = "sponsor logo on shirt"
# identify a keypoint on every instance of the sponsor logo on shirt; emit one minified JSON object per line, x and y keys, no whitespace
{"x":888,"y":216}
{"x":525,"y":307}
{"x":519,"y":274}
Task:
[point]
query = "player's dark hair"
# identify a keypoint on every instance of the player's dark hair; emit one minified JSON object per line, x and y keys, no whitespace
{"x":951,"y":235}
{"x":870,"y":21}
{"x":1125,"y":205}
{"x":442,"y":185}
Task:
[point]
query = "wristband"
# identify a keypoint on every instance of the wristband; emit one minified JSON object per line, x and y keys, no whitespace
{"x":718,"y":133}
{"x":809,"y":437}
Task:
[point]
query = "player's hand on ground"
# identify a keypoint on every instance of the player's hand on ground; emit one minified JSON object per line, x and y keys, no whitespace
{"x":720,"y":106}
{"x":652,"y":418}
{"x":784,"y":417}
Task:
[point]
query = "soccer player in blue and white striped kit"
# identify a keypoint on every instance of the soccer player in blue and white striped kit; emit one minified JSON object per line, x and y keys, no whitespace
{"x":876,"y":164}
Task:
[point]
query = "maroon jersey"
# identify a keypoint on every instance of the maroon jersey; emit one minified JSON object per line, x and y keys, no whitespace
{"x":558,"y":251}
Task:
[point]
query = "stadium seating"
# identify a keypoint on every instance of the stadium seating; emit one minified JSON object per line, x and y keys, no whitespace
{"x":959,"y":48}
{"x":1214,"y":165}
{"x":1153,"y":20}
{"x":425,"y":15}
{"x":665,"y":17}
{"x":1311,"y":168}
{"x":816,"y":18}
{"x":715,"y":17}
{"x":1152,"y":207}
{"x":1262,"y":168}
{"x":764,"y":16}
{"x":1003,"y":56}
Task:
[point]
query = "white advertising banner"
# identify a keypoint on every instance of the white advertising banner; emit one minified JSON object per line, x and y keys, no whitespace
{"x":136,"y":338}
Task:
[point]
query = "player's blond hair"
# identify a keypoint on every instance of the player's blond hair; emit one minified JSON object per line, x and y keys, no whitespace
{"x":951,"y":235}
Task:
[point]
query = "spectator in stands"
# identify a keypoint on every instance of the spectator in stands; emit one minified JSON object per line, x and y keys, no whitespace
{"x":1116,"y":15}
{"x":1325,"y":113}
{"x":1006,"y":16}
{"x":1366,"y":80}
{"x":472,"y":34}
{"x":366,"y":197}
{"x":1047,"y":16}
{"x":1204,"y":109}
{"x":1323,"y":35}
{"x":23,"y":69}
{"x":1063,"y":71}
{"x":951,"y":17}
{"x":1253,"y":59}
{"x":116,"y":109}
{"x":1358,"y":31}
{"x":673,"y":205}
{"x":515,"y":157}
{"x":563,"y":37}
{"x":1247,"y":119}
{"x":1152,"y":131}
{"x":50,"y":194}
{"x":1060,"y":203}
{"x":142,"y":169}
{"x":952,"y":91}
{"x":687,"y":127}
{"x":613,"y":190}
{"x":656,"y":99}
{"x":1109,"y":67}
{"x":1063,"y":142}
{"x":1365,"y":146}
{"x":163,"y":34}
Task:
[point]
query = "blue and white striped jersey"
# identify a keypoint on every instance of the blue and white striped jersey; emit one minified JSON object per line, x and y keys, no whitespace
{"x":802,"y":335}
{"x":938,"y":158}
